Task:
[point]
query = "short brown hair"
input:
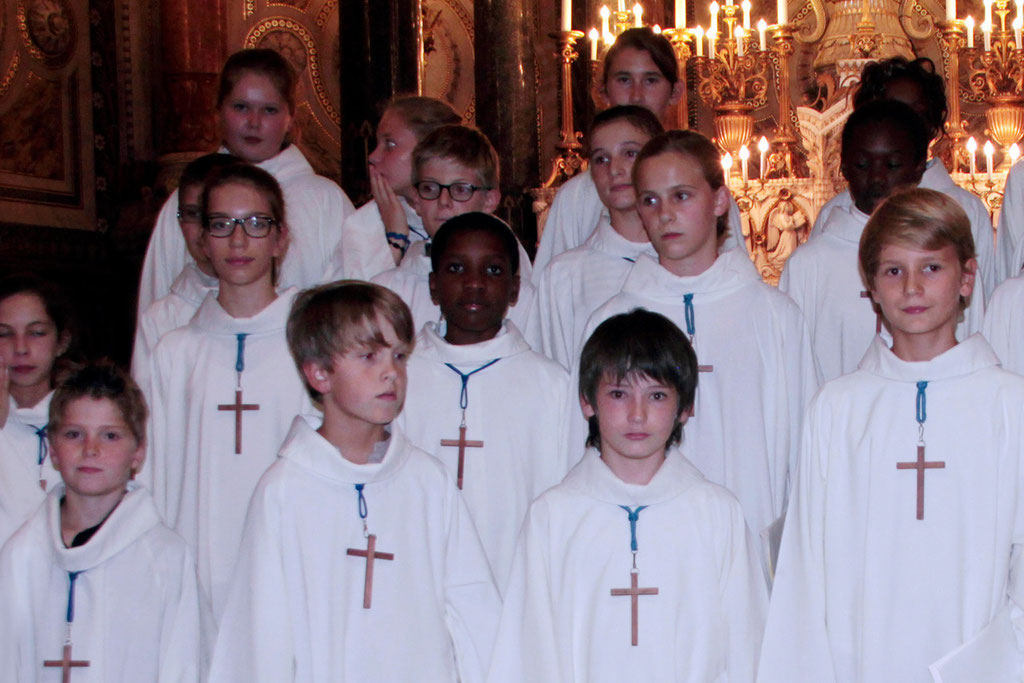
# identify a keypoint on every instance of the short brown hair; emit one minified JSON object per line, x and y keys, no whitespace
{"x":422,"y":114}
{"x":918,"y":218}
{"x":328,"y":320}
{"x":462,"y":144}
{"x":690,"y":144}
{"x":101,"y":380}
{"x":265,"y":62}
{"x":645,"y":40}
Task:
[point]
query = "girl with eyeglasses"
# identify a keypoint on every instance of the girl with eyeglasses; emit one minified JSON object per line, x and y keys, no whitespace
{"x":223,"y":400}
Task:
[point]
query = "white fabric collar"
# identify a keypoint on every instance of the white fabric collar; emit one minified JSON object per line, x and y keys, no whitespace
{"x":592,"y":477}
{"x":969,"y":356}
{"x":211,"y":317}
{"x":606,"y":240}
{"x":730,"y":272}
{"x":305,"y":447}
{"x":432,"y":346}
{"x":192,"y":284}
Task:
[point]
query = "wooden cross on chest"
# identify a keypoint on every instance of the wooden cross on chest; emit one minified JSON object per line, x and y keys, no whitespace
{"x":921,"y":465}
{"x":462,"y":445}
{"x":370,"y":554}
{"x":634,"y":593}
{"x":238,"y":407}
{"x":66,"y":663}
{"x":878,"y":318}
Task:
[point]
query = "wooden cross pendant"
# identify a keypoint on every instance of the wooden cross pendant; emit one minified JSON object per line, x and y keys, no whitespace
{"x":634,"y":592}
{"x":462,"y":445}
{"x":370,"y":554}
{"x":237,"y":407}
{"x":878,"y":318}
{"x":921,"y":465}
{"x":66,"y":663}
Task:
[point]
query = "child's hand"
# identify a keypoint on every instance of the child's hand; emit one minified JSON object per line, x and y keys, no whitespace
{"x":390,"y":208}
{"x":5,"y":393}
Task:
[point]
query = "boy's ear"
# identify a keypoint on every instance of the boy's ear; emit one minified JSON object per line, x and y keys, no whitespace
{"x":722,"y":199}
{"x":283,"y":239}
{"x":968,"y":277}
{"x":493,"y":198}
{"x":139,"y":459}
{"x":432,"y":283}
{"x":588,"y":410}
{"x":317,"y":376}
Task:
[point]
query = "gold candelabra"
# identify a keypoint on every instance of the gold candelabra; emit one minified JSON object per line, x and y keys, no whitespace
{"x":568,"y":161}
{"x":995,"y":75}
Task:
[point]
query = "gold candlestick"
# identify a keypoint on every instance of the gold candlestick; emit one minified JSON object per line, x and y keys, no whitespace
{"x":568,"y":162}
{"x":781,"y":160}
{"x":680,"y":37}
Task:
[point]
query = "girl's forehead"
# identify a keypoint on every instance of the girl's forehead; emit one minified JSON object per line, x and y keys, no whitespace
{"x":21,"y":303}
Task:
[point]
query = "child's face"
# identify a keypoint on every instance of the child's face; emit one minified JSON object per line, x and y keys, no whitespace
{"x":94,"y":449}
{"x":634,"y":78}
{"x":474,"y":286}
{"x":29,"y":343}
{"x":635,"y":416}
{"x":392,"y":157}
{"x":614,"y":148}
{"x":240,"y":260}
{"x":364,"y":385}
{"x":191,"y":222}
{"x":679,"y":210}
{"x":919,"y":291}
{"x":254,"y":118}
{"x":442,"y":171}
{"x":878,"y":161}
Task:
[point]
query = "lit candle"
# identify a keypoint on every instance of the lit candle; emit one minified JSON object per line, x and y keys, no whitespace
{"x":566,"y":15}
{"x":762,"y":26}
{"x":744,"y":156}
{"x":1020,"y":9}
{"x":969,"y":25}
{"x":714,"y":18}
{"x":762,"y":147}
{"x":727,"y":166}
{"x":1018,"y":25}
{"x":739,"y":33}
{"x":988,"y":12}
{"x":622,"y":5}
{"x":605,"y":13}
{"x":746,"y":14}
{"x":950,"y":10}
{"x":1014,"y":153}
{"x":711,"y":43}
{"x":698,"y":35}
{"x":656,"y":29}
{"x":783,"y":11}
{"x":729,"y":2}
{"x":990,"y":151}
{"x":594,"y":37}
{"x":680,"y":13}
{"x":986,"y":34}
{"x":972,"y":150}
{"x":638,"y":15}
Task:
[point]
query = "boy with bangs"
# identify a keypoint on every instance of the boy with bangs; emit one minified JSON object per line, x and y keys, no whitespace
{"x":751,"y":340}
{"x":486,"y":405}
{"x":635,"y":567}
{"x":578,"y":281}
{"x":94,"y":586}
{"x":455,"y":171}
{"x":359,"y":561}
{"x":884,"y":147}
{"x":904,"y":530}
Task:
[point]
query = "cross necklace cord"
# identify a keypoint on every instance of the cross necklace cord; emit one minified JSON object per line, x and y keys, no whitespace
{"x":44,"y":450}
{"x":238,"y":407}
{"x":691,"y":331}
{"x":66,"y":663}
{"x":461,"y":443}
{"x":921,"y":464}
{"x":634,"y":591}
{"x":370,"y":553}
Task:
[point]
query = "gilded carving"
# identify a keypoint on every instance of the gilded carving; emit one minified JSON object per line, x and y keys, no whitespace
{"x":31,"y":131}
{"x":12,"y":71}
{"x":48,"y":29}
{"x":448,"y":54}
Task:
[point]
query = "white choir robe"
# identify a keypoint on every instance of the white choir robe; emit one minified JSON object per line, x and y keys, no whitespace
{"x":20,"y":469}
{"x":364,"y":250}
{"x":560,"y":621}
{"x":517,"y":407}
{"x":411,"y":281}
{"x":1010,"y":235}
{"x":295,"y":610}
{"x":1004,"y":324}
{"x":166,"y":314}
{"x":744,"y":434}
{"x":823,"y":278}
{"x":575,"y":284}
{"x":200,"y":485}
{"x":139,"y":615}
{"x":864,"y":590}
{"x":315,"y":208}
{"x":937,"y":178}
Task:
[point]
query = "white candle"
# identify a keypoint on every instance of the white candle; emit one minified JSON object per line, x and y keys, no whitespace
{"x":1014,"y":153}
{"x":950,"y":10}
{"x":969,"y":25}
{"x":988,"y":11}
{"x":762,"y":26}
{"x":783,"y":10}
{"x":986,"y":34}
{"x":605,"y":13}
{"x":972,"y":150}
{"x":762,"y":148}
{"x":744,"y":156}
{"x":638,"y":15}
{"x":739,"y":33}
{"x":746,"y":14}
{"x":727,"y":166}
{"x":698,"y":35}
{"x":1020,"y":9}
{"x":594,"y":37}
{"x":622,"y":5}
{"x":990,"y":150}
{"x":656,"y":29}
{"x":729,"y":2}
{"x":680,"y":13}
{"x":714,"y":18}
{"x":711,"y":44}
{"x":566,"y":15}
{"x":1018,"y":25}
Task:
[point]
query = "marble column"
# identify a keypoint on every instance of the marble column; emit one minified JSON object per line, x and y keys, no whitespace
{"x":506,"y":100}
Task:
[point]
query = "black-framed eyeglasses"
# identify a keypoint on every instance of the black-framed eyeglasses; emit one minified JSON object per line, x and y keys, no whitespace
{"x":254,"y":226}
{"x":460,"y":192}
{"x":190,"y":214}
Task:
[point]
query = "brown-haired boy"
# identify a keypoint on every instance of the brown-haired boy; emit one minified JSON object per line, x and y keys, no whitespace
{"x":905,"y":525}
{"x":359,"y":560}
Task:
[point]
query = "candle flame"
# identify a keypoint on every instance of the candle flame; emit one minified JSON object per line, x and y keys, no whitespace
{"x":762,"y":144}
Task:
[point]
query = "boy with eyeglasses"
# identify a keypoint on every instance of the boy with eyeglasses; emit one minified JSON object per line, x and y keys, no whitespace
{"x":455,"y":171}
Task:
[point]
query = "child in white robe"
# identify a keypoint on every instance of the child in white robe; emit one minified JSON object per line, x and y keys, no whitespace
{"x":255,"y":107}
{"x":94,"y":577}
{"x":904,"y":530}
{"x":1004,"y":324}
{"x":374,"y":238}
{"x":884,"y":146}
{"x":634,"y":514}
{"x":360,"y":560}
{"x":1010,"y":235}
{"x":751,"y":341}
{"x":223,"y":401}
{"x":460,"y":160}
{"x":195,"y":280}
{"x":474,"y":378}
{"x":34,"y":333}
{"x":576,"y":282}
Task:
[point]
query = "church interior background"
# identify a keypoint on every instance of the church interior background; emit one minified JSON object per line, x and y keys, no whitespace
{"x":102,"y":102}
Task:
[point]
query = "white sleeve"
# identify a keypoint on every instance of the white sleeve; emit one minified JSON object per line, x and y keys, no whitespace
{"x":166,"y":255}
